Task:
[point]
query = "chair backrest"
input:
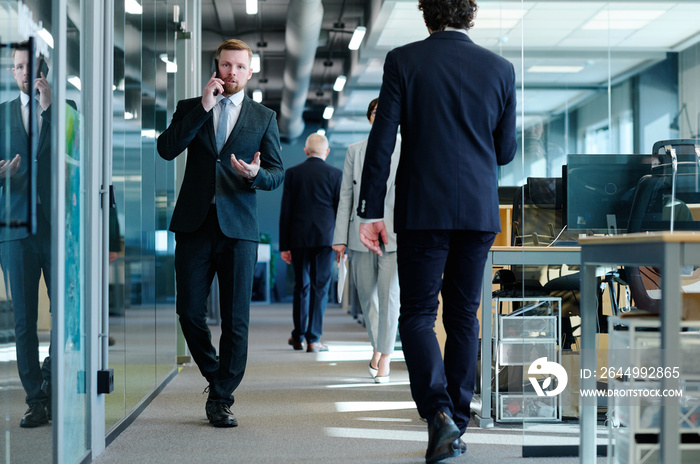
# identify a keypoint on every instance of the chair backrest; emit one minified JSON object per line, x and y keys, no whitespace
{"x":537,"y":211}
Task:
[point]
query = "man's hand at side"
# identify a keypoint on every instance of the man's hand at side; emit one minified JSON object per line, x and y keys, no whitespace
{"x":339,"y":252}
{"x":286,"y":256}
{"x":370,"y":234}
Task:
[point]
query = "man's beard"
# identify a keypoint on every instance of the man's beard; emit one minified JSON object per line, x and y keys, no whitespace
{"x":230,"y":89}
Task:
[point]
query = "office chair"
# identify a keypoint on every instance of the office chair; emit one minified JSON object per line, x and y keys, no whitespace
{"x":661,"y":203}
{"x":652,"y":211}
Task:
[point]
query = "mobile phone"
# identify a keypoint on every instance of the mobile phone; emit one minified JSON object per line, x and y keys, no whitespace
{"x":42,"y":67}
{"x":216,"y":70}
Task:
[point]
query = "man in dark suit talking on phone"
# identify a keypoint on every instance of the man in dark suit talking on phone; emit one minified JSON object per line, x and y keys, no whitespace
{"x":233,"y":150}
{"x":455,"y":104}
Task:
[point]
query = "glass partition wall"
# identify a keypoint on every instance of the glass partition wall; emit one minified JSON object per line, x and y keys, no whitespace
{"x":594,"y":78}
{"x":142,"y":321}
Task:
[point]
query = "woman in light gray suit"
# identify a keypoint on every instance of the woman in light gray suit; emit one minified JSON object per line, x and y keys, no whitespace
{"x":375,"y":277}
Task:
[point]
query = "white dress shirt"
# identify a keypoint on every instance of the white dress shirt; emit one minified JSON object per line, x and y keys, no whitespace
{"x":24,"y":99}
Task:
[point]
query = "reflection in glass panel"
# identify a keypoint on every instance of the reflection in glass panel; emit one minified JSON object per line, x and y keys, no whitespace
{"x":73,"y":346}
{"x":115,"y":407}
{"x":164,"y":185}
{"x":25,"y":233}
{"x":142,"y":318}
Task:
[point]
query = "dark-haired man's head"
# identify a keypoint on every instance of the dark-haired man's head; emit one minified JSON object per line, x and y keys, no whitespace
{"x":439,"y":14}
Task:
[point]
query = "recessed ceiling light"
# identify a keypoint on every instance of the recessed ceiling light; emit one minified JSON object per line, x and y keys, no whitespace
{"x":555,"y":69}
{"x":255,"y":63}
{"x":46,"y":35}
{"x":339,"y":83}
{"x":357,"y":37}
{"x":622,"y":19}
{"x":133,"y":7}
{"x":251,"y":7}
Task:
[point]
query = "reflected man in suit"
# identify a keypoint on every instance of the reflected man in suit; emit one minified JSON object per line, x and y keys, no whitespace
{"x":233,"y":150}
{"x":307,"y":219}
{"x":455,"y":104}
{"x":23,"y":256}
{"x":376,"y":277}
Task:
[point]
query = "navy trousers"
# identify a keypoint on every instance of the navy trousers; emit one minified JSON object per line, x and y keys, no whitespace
{"x":312,"y":277}
{"x":451,"y":262}
{"x":198,"y":257}
{"x":23,"y":262}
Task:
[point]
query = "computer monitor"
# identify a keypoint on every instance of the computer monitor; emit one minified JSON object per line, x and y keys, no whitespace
{"x":600,"y":189}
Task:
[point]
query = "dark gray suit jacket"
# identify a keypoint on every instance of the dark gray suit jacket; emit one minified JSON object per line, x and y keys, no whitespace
{"x":14,"y":136}
{"x":209,"y":173}
{"x":309,"y":204}
{"x":455,"y":103}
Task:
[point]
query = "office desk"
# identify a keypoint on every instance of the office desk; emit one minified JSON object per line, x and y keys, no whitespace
{"x":506,"y":256}
{"x":668,"y":251}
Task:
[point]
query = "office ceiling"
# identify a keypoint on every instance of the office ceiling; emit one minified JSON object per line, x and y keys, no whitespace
{"x":571,"y":48}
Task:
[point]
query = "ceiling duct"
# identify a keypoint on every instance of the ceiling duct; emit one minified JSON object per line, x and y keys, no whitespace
{"x":304,"y":19}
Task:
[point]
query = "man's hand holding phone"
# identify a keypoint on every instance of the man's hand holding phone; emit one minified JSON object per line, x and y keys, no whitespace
{"x":214,"y":87}
{"x":44,"y":89}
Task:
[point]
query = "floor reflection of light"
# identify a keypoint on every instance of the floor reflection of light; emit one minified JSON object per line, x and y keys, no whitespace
{"x":383,"y":419}
{"x":376,"y":434}
{"x":367,"y":383}
{"x":351,"y":352}
{"x":356,"y":406}
{"x":481,"y":437}
{"x":8,"y":353}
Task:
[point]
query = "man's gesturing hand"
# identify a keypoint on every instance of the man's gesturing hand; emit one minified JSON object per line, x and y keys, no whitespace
{"x":247,"y":171}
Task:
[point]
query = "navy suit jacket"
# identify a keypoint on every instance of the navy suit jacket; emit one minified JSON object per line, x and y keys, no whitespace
{"x":209,"y":173}
{"x":309,"y":203}
{"x":455,"y":103}
{"x":14,"y":136}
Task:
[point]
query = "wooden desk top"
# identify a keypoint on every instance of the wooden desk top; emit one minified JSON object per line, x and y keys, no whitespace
{"x":644,"y":237}
{"x":536,"y":248}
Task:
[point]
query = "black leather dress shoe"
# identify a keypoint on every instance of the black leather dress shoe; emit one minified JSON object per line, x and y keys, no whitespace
{"x":220,"y":415}
{"x":460,"y":446}
{"x":35,"y":416}
{"x":298,"y":346}
{"x":442,"y":432}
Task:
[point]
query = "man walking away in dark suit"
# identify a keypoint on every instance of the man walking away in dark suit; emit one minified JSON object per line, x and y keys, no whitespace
{"x":25,"y":257}
{"x":233,"y":150}
{"x":307,"y":220}
{"x":455,"y":104}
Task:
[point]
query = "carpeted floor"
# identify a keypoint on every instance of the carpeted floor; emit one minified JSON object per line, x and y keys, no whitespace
{"x":297,"y":407}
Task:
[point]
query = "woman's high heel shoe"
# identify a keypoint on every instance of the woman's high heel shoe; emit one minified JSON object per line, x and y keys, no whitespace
{"x":372,"y":371}
{"x":382,"y":378}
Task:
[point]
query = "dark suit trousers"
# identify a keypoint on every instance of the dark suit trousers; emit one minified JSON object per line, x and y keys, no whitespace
{"x":312,"y":277}
{"x":452,"y":262}
{"x":198,"y":257}
{"x":23,"y":261}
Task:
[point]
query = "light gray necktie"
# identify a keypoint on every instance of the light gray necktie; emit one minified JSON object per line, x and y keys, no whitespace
{"x":223,"y":123}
